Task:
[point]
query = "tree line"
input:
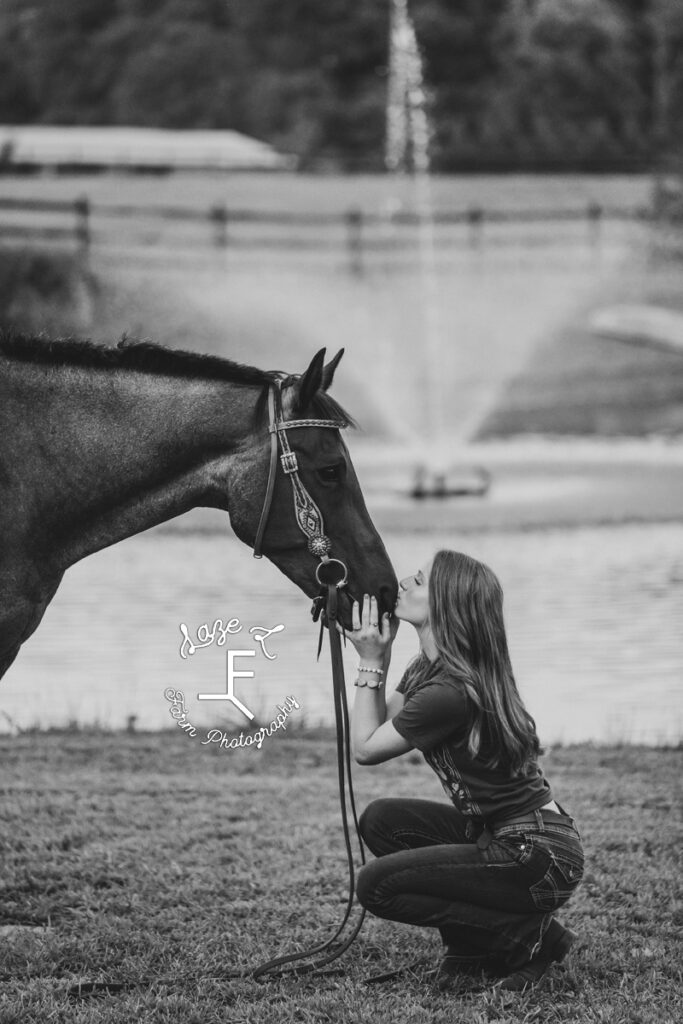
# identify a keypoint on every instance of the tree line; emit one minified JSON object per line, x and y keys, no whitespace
{"x":511,"y":84}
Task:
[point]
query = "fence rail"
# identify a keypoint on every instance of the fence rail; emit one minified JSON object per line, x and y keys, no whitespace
{"x":356,"y":230}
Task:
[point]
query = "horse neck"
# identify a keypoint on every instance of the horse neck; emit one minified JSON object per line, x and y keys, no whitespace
{"x":111,"y":453}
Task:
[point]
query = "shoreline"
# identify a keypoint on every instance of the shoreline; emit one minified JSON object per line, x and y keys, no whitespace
{"x":323,"y":735}
{"x":537,"y":484}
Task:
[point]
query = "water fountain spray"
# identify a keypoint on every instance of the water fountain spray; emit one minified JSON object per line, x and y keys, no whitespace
{"x":407,"y":152}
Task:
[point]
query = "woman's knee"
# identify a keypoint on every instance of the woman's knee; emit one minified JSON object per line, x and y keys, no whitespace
{"x":366,"y":886}
{"x":368,"y":820}
{"x":376,"y":824}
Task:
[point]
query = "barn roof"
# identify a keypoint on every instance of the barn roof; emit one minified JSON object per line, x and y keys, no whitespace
{"x":50,"y":145}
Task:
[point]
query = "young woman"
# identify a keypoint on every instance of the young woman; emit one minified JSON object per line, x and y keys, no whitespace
{"x":490,"y":868}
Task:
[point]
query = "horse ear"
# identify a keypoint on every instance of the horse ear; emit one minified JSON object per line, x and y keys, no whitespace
{"x":328,"y":371}
{"x":310,"y":381}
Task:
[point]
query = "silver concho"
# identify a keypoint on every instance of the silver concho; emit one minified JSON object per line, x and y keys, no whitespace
{"x":319,"y":546}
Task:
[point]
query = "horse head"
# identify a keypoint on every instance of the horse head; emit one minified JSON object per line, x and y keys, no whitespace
{"x":324,"y":468}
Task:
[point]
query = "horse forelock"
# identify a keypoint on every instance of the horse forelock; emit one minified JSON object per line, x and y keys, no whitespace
{"x":323,"y":406}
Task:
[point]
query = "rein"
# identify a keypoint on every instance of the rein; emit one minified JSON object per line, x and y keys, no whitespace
{"x":331,"y":574}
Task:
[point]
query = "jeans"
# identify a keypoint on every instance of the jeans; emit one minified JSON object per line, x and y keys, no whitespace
{"x":491,"y":893}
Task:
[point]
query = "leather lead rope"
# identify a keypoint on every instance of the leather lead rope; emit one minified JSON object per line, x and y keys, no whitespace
{"x":327,"y":952}
{"x":331,"y":574}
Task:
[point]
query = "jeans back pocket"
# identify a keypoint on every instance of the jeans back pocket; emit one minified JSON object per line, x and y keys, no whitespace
{"x":564,"y":872}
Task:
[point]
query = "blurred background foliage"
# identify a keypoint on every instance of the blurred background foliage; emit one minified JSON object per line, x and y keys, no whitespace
{"x":513,"y":84}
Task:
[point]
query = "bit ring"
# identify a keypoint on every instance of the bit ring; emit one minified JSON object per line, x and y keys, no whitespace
{"x":328,"y":564}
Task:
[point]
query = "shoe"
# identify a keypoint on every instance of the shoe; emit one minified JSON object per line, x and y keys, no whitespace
{"x":454,"y":967}
{"x":532,"y":972}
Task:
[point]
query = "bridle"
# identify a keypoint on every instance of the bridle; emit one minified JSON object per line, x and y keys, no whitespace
{"x":308,"y":516}
{"x":331,"y":574}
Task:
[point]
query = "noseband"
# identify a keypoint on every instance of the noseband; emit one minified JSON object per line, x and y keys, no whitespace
{"x":308,"y":516}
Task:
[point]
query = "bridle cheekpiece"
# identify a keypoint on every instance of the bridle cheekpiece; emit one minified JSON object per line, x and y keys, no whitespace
{"x":308,"y":516}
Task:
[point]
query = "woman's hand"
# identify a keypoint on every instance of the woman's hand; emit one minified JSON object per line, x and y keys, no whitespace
{"x":371,"y":638}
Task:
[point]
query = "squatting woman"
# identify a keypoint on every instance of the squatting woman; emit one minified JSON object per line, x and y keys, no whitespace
{"x":489,"y":868}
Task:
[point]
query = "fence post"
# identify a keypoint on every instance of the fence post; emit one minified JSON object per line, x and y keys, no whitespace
{"x":475,"y":219}
{"x":82,"y":211}
{"x":594,"y":213}
{"x":219,"y":216}
{"x":354,"y":239}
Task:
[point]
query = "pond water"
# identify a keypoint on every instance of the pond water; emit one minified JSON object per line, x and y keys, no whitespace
{"x":594,"y":617}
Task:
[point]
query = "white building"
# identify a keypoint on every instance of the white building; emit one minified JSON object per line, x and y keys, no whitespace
{"x":120,"y":147}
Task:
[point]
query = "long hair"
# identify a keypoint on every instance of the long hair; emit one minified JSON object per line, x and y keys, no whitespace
{"x":466,"y":618}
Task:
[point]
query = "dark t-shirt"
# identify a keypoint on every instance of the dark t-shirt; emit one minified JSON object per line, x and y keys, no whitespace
{"x":434,"y":719}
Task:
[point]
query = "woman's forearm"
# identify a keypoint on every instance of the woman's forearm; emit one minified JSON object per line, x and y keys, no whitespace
{"x":369,"y":706}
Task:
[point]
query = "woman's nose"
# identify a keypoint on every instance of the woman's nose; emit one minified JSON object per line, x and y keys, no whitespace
{"x":403,"y":583}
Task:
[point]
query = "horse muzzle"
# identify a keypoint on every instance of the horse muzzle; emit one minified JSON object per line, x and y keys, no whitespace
{"x":386,"y":599}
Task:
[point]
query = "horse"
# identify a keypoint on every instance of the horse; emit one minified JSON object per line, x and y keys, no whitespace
{"x":103,"y":442}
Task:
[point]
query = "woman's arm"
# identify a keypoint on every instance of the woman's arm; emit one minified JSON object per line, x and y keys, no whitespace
{"x":373,"y":737}
{"x":371,"y":743}
{"x":395,"y":700}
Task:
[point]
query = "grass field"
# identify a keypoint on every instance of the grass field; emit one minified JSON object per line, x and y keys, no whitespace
{"x":163,"y":865}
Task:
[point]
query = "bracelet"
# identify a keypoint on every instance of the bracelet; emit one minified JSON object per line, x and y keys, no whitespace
{"x":366,"y":668}
{"x":371,"y":686}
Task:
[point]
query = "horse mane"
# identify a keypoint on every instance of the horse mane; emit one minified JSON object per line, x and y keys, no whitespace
{"x":129,"y":354}
{"x":150,"y":357}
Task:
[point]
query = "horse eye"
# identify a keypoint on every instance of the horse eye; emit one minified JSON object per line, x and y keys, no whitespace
{"x":330,"y":474}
